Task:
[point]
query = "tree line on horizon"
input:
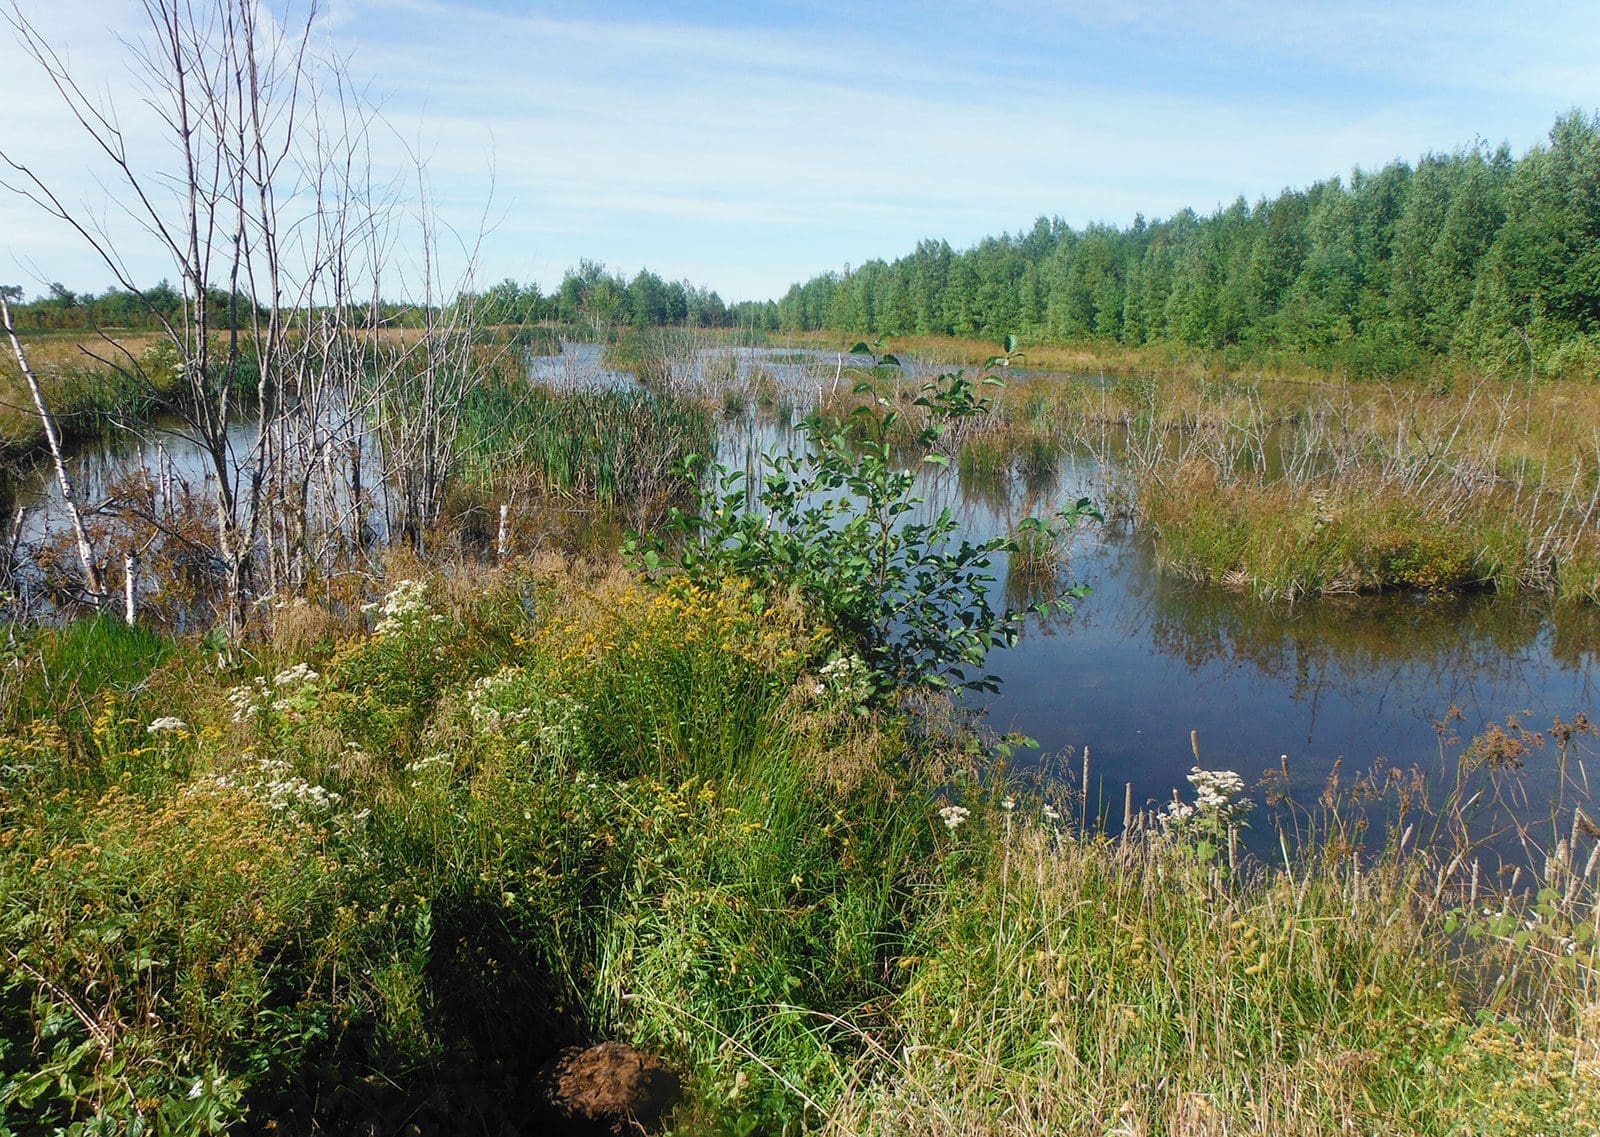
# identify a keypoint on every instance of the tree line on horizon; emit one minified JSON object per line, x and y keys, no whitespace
{"x":590,"y":295}
{"x":1474,"y":255}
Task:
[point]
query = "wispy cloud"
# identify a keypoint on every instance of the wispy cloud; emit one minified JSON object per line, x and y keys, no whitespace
{"x":748,"y":148}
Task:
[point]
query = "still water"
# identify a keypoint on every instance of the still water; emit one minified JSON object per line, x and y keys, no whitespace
{"x":1147,"y":658}
{"x":1149,"y":663}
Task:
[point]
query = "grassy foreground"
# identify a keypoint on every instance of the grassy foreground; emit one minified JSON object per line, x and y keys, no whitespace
{"x":373,"y":872}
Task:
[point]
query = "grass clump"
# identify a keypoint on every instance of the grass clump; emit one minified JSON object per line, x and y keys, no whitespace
{"x":1133,"y":987}
{"x":663,"y":357}
{"x":532,"y":339}
{"x":1283,"y":542}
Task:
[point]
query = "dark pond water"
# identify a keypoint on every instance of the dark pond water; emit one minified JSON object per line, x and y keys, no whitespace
{"x":1148,"y":658}
{"x":1149,"y":663}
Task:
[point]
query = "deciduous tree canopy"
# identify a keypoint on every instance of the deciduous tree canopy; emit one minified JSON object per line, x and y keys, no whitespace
{"x":1474,"y":254}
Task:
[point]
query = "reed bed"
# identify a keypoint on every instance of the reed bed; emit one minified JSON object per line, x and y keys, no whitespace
{"x":666,"y":359}
{"x":1291,"y":489}
{"x":1288,"y":489}
{"x":1291,"y":484}
{"x":86,"y":384}
{"x":612,"y":447}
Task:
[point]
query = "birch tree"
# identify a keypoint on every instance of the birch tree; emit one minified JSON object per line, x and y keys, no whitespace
{"x":279,"y":233}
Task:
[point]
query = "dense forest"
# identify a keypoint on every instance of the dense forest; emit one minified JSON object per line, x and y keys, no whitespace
{"x":1475,"y":255}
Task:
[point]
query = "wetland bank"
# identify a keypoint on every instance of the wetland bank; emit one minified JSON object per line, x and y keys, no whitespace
{"x":531,"y":800}
{"x":616,"y":709}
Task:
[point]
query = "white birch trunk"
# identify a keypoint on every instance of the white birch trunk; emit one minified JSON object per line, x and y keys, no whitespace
{"x":91,"y":572}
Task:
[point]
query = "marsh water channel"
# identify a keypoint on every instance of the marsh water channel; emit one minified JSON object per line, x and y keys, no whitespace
{"x":1149,"y":662}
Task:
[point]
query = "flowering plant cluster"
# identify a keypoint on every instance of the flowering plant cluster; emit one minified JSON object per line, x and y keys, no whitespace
{"x":1219,"y":805}
{"x":290,"y":693}
{"x":516,"y":708}
{"x":848,"y":678}
{"x":402,"y":609}
{"x":275,"y":782}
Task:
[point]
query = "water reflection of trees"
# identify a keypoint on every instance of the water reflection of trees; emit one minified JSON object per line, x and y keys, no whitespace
{"x":1360,"y":637}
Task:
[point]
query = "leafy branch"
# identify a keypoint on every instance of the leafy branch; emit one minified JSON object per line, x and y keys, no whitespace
{"x":838,"y":527}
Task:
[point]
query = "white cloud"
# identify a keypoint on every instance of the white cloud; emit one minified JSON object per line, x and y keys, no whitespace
{"x":747,"y":156}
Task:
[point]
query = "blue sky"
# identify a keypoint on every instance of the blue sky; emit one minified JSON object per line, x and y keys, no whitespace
{"x":743,"y":147}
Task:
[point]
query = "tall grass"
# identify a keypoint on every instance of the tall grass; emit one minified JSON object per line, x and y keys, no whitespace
{"x":1095,"y":357}
{"x":86,"y":386}
{"x":76,"y":683}
{"x":378,"y":880}
{"x":1294,"y":488}
{"x":1088,"y":986}
{"x":537,"y":812}
{"x":532,"y":339}
{"x":1289,"y":490}
{"x":662,"y":358}
{"x":1290,"y":483}
{"x":615,"y":447}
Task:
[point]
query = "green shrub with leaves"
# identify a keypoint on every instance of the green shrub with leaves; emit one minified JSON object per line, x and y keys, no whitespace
{"x":839,"y":526}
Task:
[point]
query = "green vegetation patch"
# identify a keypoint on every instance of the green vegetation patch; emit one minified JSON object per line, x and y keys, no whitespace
{"x":377,"y":875}
{"x":610,"y":446}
